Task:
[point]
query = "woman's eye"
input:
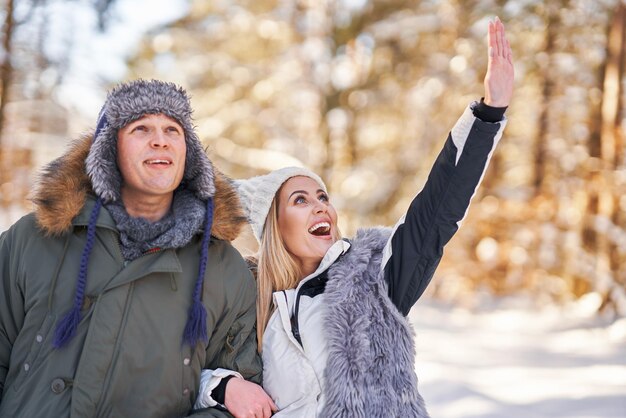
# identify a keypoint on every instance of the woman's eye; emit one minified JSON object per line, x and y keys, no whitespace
{"x":299,"y":200}
{"x":323,"y":198}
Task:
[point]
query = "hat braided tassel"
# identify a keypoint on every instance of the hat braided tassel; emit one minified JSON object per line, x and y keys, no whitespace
{"x":66,"y":327}
{"x":195,"y":330}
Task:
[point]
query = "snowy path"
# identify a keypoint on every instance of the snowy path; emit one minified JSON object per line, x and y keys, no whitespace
{"x":516,"y":361}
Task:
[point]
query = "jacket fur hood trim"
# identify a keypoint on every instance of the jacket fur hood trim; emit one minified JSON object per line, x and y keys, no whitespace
{"x":63,"y":186}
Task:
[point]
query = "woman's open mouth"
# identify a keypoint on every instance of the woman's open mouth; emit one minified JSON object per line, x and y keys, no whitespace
{"x":320,"y":229}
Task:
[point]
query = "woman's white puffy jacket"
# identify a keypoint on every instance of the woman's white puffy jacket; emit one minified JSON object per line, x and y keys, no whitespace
{"x":293,"y":372}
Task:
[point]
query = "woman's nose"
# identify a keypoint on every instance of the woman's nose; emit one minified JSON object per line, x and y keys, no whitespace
{"x":320,"y":207}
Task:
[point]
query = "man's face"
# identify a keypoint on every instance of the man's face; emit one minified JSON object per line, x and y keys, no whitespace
{"x":151,"y":157}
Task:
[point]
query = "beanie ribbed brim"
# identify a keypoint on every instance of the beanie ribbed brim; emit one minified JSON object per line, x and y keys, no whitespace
{"x":257,"y":193}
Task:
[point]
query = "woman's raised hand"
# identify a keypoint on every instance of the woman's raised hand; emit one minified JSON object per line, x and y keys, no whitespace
{"x":500,"y":74}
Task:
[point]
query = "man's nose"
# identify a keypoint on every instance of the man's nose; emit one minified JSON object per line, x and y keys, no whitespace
{"x":159,"y":139}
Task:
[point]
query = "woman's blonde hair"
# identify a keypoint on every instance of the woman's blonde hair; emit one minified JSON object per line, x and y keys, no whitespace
{"x":276,"y":270}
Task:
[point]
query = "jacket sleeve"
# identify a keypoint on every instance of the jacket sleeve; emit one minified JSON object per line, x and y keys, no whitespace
{"x":238,"y":349}
{"x":233,"y":346}
{"x":239,"y":353}
{"x":11,"y":306}
{"x":435,"y":214}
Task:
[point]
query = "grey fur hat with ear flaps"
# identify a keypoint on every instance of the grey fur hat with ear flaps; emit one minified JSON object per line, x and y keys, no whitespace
{"x":131,"y":101}
{"x":125,"y":104}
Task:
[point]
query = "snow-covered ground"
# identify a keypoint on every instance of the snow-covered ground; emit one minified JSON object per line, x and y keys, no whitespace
{"x":516,"y":360}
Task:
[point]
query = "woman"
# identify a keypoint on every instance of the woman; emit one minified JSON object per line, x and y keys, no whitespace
{"x":331,"y":312}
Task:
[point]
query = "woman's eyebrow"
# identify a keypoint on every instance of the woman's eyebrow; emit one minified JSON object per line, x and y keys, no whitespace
{"x":296,"y":192}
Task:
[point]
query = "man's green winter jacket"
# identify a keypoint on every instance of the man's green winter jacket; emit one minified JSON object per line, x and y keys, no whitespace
{"x":127,"y":359}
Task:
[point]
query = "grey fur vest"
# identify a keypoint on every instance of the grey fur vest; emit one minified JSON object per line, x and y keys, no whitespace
{"x":371,"y":351}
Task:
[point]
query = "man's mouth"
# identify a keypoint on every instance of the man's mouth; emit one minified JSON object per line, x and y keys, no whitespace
{"x":158,"y":162}
{"x":320,"y":229}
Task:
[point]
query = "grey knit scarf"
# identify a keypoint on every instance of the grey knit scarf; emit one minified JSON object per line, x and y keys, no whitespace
{"x":371,"y":351}
{"x":175,"y":230}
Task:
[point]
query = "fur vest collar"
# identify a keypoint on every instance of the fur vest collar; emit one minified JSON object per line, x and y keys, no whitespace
{"x":371,"y":351}
{"x":64,"y":185}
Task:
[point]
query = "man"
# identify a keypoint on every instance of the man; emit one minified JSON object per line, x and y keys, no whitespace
{"x":122,"y":285}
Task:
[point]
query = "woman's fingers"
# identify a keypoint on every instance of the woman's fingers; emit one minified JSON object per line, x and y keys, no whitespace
{"x":491,"y":38}
{"x":498,"y":43}
{"x":509,"y":54}
{"x":499,"y":30}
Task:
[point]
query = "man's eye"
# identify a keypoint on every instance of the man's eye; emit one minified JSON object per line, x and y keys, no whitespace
{"x":173,"y":129}
{"x":140,"y":128}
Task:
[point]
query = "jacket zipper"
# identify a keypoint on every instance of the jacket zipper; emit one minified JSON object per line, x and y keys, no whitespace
{"x":116,"y":348}
{"x":295,"y":329}
{"x":317,"y":286}
{"x":312,"y":288}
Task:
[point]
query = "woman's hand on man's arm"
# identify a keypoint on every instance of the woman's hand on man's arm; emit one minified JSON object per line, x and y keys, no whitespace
{"x":245,"y":399}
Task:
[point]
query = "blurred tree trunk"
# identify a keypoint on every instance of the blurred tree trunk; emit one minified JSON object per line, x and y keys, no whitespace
{"x":606,"y":149}
{"x":612,"y":140}
{"x":547,"y":91}
{"x":6,"y":68}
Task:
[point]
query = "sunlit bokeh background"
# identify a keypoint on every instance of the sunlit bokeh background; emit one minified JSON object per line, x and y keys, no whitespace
{"x":363,"y":92}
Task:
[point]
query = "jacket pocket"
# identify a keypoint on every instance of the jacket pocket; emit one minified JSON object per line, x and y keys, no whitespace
{"x":38,"y":349}
{"x":234,"y":337}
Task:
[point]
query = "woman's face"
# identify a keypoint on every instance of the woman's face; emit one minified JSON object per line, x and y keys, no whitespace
{"x":307,"y":221}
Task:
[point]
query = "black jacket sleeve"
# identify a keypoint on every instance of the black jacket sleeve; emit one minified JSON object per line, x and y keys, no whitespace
{"x":436,"y":212}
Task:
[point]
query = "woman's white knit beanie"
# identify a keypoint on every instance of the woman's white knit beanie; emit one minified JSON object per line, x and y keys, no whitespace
{"x":256,"y":193}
